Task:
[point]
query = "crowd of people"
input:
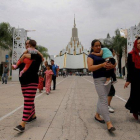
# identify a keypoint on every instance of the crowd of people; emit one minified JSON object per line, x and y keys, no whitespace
{"x":100,"y":61}
{"x":47,"y":74}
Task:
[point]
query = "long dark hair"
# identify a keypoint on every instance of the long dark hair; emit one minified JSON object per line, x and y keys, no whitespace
{"x":93,"y":42}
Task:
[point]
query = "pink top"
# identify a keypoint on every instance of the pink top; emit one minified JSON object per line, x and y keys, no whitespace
{"x":48,"y":73}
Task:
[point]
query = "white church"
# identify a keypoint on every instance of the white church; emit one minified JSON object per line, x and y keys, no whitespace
{"x":74,"y":57}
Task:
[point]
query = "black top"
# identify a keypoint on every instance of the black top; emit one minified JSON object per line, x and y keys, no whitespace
{"x":133,"y":74}
{"x":98,"y":60}
{"x":31,"y":75}
{"x":6,"y":70}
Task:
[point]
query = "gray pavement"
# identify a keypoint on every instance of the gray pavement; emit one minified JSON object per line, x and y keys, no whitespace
{"x":67,"y":113}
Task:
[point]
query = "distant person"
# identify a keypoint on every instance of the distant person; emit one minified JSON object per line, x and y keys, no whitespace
{"x":55,"y":73}
{"x":48,"y":75}
{"x":5,"y":74}
{"x":64,"y":75}
{"x":60,"y":73}
{"x":107,"y":55}
{"x":133,"y":78}
{"x":98,"y":66}
{"x":40,"y":84}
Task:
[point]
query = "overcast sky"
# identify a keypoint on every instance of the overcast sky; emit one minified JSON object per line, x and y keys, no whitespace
{"x":53,"y":19}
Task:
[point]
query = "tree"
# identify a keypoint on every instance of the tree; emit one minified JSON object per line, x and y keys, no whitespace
{"x":6,"y":38}
{"x":119,"y":44}
{"x":43,"y":50}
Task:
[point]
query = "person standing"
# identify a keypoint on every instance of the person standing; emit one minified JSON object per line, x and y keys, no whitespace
{"x":5,"y":74}
{"x":55,"y":73}
{"x":40,"y":84}
{"x":98,"y":66}
{"x":29,"y":84}
{"x":48,"y":75}
{"x":133,"y":77}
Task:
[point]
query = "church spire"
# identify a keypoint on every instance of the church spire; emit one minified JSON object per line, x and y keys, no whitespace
{"x":74,"y":22}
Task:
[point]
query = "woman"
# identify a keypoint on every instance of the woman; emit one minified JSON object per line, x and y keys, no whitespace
{"x":29,"y":84}
{"x":97,"y":65}
{"x":133,"y":77}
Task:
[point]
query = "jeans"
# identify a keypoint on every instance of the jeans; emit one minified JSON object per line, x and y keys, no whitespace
{"x":4,"y":77}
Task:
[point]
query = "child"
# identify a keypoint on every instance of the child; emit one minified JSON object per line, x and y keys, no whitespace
{"x":28,"y":62}
{"x":107,"y":55}
{"x":48,"y":74}
{"x":40,"y":84}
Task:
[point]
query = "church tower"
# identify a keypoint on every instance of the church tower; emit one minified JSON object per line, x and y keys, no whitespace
{"x":74,"y":32}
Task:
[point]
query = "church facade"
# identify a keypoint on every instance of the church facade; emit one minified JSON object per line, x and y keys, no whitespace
{"x":74,"y":57}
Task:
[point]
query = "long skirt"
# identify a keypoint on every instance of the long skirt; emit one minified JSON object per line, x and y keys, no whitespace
{"x":29,"y":92}
{"x":102,"y":91}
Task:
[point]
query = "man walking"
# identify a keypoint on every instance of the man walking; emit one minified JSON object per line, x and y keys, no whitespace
{"x":5,"y":74}
{"x":55,"y":71}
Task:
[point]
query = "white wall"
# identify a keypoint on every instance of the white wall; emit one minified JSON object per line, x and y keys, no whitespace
{"x":59,"y":61}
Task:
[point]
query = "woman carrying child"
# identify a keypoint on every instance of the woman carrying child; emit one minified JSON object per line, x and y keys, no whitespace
{"x":106,"y":54}
{"x":29,"y":84}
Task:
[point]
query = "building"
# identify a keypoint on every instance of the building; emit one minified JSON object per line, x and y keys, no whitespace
{"x":132,"y":33}
{"x":74,"y":57}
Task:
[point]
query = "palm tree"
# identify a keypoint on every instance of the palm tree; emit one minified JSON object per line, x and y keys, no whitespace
{"x":119,"y":44}
{"x":43,"y":50}
{"x":6,"y":36}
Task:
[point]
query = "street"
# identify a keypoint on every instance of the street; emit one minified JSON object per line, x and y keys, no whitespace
{"x":67,"y":113}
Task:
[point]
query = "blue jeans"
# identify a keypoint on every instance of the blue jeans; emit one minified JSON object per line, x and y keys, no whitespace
{"x":4,"y":77}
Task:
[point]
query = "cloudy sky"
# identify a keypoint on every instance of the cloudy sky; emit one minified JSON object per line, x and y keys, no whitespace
{"x":53,"y":19}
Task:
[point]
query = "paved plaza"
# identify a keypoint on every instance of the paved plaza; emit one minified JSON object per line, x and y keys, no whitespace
{"x":67,"y":113}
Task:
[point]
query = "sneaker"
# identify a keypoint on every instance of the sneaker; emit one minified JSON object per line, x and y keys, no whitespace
{"x":19,"y":128}
{"x":107,"y":82}
{"x":47,"y":93}
{"x":31,"y":120}
{"x":111,"y":110}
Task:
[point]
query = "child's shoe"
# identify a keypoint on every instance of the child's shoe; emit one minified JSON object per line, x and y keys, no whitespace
{"x":21,"y":73}
{"x":47,"y":93}
{"x":107,"y":82}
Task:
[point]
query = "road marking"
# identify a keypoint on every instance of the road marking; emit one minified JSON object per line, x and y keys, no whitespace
{"x":88,"y":80}
{"x":7,"y":115}
{"x":120,"y":98}
{"x":115,"y":95}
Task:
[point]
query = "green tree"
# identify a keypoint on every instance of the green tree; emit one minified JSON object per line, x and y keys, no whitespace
{"x":43,"y":50}
{"x":6,"y":38}
{"x":119,"y":44}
